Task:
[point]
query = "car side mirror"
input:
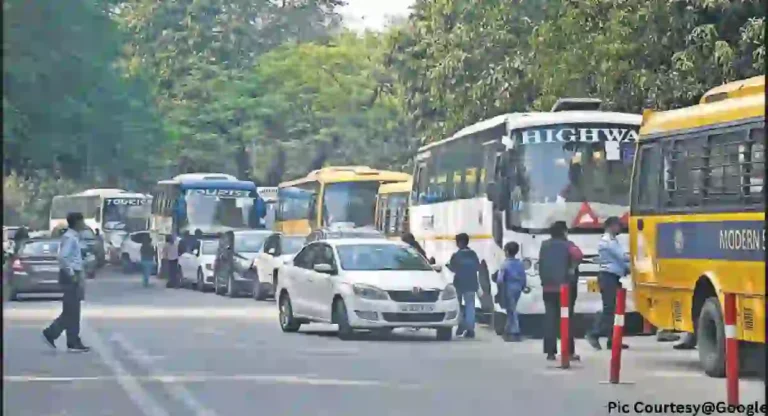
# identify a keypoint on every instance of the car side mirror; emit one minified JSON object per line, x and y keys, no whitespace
{"x":323,"y":268}
{"x":438,"y":268}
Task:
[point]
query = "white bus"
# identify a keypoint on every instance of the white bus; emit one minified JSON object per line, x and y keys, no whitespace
{"x":105,"y":209}
{"x":510,"y":177}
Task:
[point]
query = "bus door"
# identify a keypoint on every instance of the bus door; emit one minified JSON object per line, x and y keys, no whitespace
{"x":493,"y":154}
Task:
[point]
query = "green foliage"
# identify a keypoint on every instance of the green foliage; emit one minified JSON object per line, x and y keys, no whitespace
{"x":460,"y":62}
{"x":27,"y":200}
{"x":68,"y":110}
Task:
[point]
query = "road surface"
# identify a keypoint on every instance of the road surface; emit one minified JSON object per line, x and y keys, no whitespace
{"x":159,"y":352}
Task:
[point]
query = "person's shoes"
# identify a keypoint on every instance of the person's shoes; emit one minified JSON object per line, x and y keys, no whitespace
{"x":469,"y":334}
{"x":461,"y":332}
{"x":78,"y":348}
{"x":684,"y":346}
{"x":49,"y":340}
{"x":623,"y":346}
{"x":513,"y":338}
{"x":593,"y":341}
{"x":551,"y":357}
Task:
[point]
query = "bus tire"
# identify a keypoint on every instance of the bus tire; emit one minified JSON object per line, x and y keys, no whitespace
{"x":486,"y":299}
{"x":499,"y":323}
{"x":710,"y":334}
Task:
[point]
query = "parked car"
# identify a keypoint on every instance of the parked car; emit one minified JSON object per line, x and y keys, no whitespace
{"x":373,"y":284}
{"x":130,"y":252}
{"x":278,"y":249}
{"x":35,"y":268}
{"x":196,"y":264}
{"x":232,"y":266}
{"x":93,"y":242}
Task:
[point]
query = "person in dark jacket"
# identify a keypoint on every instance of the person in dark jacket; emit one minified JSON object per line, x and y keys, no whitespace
{"x":465,"y":265}
{"x":147,"y":260}
{"x":555,"y":269}
{"x":19,"y":238}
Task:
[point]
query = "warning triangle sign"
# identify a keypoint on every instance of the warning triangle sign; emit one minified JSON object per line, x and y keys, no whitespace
{"x":586,"y":218}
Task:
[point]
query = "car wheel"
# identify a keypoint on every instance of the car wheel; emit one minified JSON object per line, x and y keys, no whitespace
{"x":444,"y":334}
{"x":346,"y":331}
{"x":230,"y":288}
{"x":200,"y":286}
{"x":710,"y":334}
{"x":125,"y":262}
{"x":288,"y":322}
{"x":258,"y":292}
{"x":216,"y":287}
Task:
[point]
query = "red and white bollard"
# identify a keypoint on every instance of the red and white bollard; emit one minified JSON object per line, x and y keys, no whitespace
{"x":565,"y":327}
{"x":618,"y":337}
{"x":731,"y":350}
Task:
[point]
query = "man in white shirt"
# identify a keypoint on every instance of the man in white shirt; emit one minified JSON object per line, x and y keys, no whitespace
{"x":171,"y":255}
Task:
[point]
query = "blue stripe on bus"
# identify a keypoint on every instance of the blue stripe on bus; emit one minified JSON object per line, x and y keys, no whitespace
{"x":704,"y":240}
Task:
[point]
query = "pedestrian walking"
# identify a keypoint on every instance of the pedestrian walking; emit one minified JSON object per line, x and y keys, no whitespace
{"x":465,"y":265}
{"x":555,"y":269}
{"x":71,"y":280}
{"x":171,"y":255}
{"x":512,"y":281}
{"x":147,"y":260}
{"x":614,"y":263}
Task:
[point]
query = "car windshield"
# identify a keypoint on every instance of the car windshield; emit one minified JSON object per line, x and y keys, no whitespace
{"x":40,"y":248}
{"x":556,"y":171}
{"x":127,"y":214}
{"x":209,"y":248}
{"x":249,"y":242}
{"x":214,"y":210}
{"x":292,"y":245}
{"x":352,"y":202}
{"x":372,"y":257}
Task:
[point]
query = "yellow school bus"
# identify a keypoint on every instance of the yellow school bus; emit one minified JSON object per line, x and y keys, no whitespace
{"x":697,"y":219}
{"x":392,"y":209}
{"x":331,"y":195}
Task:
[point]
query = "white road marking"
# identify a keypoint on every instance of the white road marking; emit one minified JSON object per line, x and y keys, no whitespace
{"x":137,"y":394}
{"x":142,"y":313}
{"x":198,"y":378}
{"x":177,"y":391}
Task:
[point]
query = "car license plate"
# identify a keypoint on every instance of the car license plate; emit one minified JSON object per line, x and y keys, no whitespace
{"x":593,"y":286}
{"x":417,"y":308}
{"x":47,"y":269}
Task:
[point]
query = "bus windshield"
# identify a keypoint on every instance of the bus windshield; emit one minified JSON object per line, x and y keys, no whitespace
{"x":216,"y":210}
{"x":574,"y":173}
{"x":351,"y":202}
{"x":126,"y":214}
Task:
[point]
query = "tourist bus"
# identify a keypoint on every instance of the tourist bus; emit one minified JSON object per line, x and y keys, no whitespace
{"x":509,"y":178}
{"x":392,"y":209}
{"x":697,"y":219}
{"x":339,"y":194}
{"x":104,"y":210}
{"x":209,"y":202}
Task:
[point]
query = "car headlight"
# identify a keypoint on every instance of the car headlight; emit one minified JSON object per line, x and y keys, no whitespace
{"x":369,"y":292}
{"x":449,"y":293}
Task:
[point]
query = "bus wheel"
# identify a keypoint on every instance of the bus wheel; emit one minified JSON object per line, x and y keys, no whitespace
{"x":499,"y":322}
{"x":711,"y":338}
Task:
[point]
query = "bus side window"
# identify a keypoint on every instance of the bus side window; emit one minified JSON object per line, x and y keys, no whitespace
{"x":647,"y":177}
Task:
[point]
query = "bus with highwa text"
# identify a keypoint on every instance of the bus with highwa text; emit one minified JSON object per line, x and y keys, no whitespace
{"x":509,"y":178}
{"x":697,"y":221}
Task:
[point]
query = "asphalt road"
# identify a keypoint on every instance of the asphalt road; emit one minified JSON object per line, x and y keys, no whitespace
{"x":159,"y":351}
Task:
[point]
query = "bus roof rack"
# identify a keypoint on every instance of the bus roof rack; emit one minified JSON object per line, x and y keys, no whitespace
{"x":576,"y":104}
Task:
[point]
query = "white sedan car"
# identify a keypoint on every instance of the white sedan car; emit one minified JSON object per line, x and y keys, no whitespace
{"x":196,"y":265}
{"x":365,"y":284}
